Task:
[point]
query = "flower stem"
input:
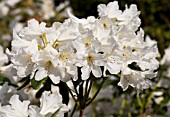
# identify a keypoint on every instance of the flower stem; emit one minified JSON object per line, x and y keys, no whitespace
{"x":100,"y":86}
{"x":74,"y":109}
{"x":71,"y":93}
{"x":88,"y":92}
{"x":81,"y":113}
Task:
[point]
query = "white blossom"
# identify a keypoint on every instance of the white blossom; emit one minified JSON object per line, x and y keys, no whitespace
{"x":91,"y":62}
{"x":55,"y":103}
{"x":16,"y":108}
{"x":50,"y":104}
{"x":10,"y":72}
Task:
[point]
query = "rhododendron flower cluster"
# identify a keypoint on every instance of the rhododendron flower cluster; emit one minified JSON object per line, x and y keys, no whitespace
{"x":113,"y":41}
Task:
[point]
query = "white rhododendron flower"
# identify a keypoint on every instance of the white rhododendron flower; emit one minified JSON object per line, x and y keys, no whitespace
{"x":46,"y":61}
{"x":110,"y":44}
{"x":50,"y":104}
{"x":10,"y":72}
{"x":91,"y":63}
{"x":34,"y":111}
{"x":22,"y":59}
{"x":6,"y":91}
{"x":128,"y":16}
{"x":16,"y":108}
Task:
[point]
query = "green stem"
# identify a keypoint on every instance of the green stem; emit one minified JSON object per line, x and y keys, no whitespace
{"x":141,"y":106}
{"x":74,"y":87}
{"x":71,"y":93}
{"x":88,"y":92}
{"x":81,"y":113}
{"x":86,"y":87}
{"x":85,"y":98}
{"x":80,"y":96}
{"x":100,"y":86}
{"x":122,"y":107}
{"x":150,"y":96}
{"x":74,"y":109}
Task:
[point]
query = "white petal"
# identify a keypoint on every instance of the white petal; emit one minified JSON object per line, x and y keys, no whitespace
{"x":123,"y":83}
{"x":34,"y":111}
{"x":85,"y":70}
{"x":113,"y":68}
{"x":47,"y":106}
{"x":17,"y":108}
{"x":96,"y":70}
{"x":40,"y":74}
{"x":55,"y":79}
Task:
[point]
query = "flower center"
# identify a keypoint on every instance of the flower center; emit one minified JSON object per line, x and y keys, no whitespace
{"x":64,"y":56}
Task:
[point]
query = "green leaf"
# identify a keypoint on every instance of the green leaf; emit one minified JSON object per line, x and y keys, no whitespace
{"x":47,"y":85}
{"x":36,"y":84}
{"x":3,"y":80}
{"x":165,"y":101}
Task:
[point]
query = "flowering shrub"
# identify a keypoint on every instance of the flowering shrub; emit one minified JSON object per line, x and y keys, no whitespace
{"x":81,"y":51}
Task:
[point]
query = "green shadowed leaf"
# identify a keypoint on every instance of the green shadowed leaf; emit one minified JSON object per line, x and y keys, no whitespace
{"x":3,"y":80}
{"x":165,"y":101}
{"x":36,"y":84}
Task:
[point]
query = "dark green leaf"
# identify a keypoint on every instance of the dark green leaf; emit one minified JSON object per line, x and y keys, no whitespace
{"x":36,"y":84}
{"x":165,"y":101}
{"x":3,"y":80}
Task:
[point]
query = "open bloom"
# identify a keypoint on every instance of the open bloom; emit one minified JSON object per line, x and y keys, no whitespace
{"x":16,"y":108}
{"x":91,"y":62}
{"x":49,"y":104}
